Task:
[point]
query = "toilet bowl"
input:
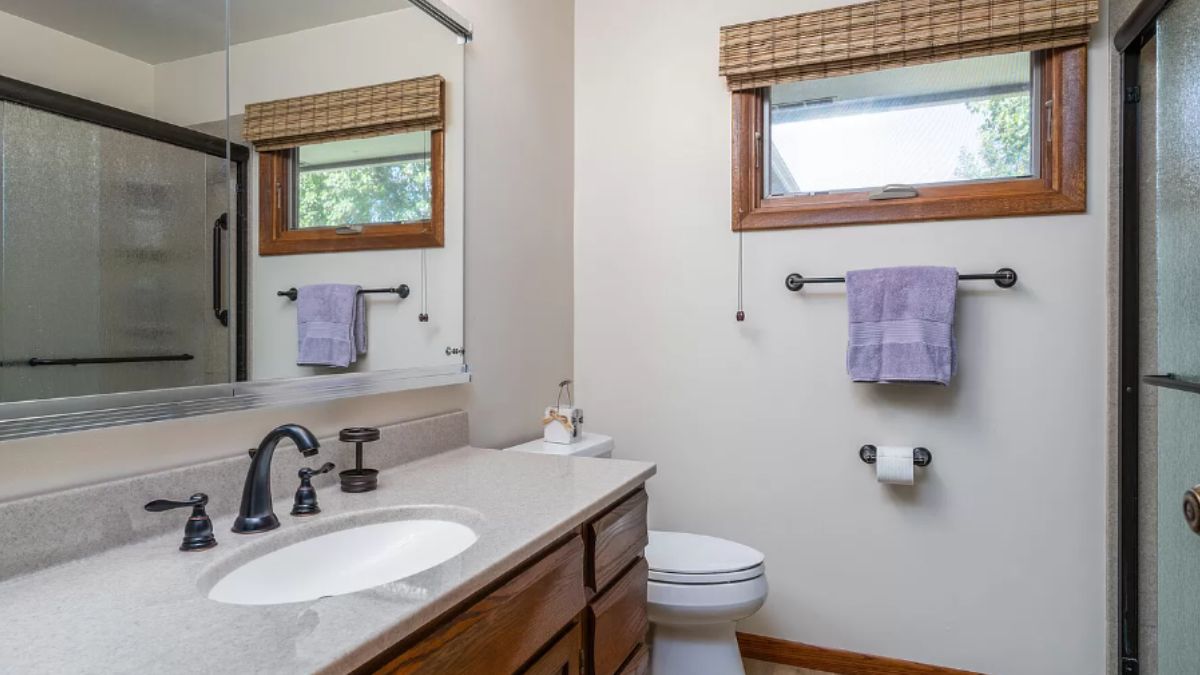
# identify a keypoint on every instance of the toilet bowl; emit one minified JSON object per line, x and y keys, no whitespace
{"x":699,"y":587}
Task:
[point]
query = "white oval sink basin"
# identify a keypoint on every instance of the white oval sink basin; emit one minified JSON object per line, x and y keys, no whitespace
{"x":344,"y":562}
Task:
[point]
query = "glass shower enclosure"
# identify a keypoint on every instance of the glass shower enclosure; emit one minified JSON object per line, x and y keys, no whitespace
{"x":116,"y":251}
{"x":1159,"y":456}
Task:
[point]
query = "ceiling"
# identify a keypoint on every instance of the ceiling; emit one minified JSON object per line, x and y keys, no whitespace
{"x":159,"y":31}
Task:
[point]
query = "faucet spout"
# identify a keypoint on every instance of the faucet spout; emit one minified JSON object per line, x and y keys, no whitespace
{"x":256,"y":514}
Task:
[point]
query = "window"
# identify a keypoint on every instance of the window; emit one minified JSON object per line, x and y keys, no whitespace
{"x":955,"y":121}
{"x":364,"y":194}
{"x":909,"y":110}
{"x":978,"y":137}
{"x":351,"y":170}
{"x":371,"y":181}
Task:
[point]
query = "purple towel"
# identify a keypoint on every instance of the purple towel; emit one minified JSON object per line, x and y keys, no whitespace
{"x":902,"y":324}
{"x":331,"y":325}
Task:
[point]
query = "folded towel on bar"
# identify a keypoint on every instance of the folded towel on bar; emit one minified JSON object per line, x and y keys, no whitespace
{"x":902,"y":324}
{"x":331,"y":325}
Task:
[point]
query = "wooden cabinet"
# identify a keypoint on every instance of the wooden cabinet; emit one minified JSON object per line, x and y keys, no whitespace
{"x":564,"y":657}
{"x":578,"y":607}
{"x":618,"y":619}
{"x":639,"y":664}
{"x":508,"y":627}
{"x":616,"y":539}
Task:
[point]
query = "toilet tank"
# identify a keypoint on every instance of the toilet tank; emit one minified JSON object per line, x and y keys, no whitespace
{"x":589,"y":445}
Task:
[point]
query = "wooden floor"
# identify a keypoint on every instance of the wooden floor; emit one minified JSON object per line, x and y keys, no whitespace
{"x":764,"y":668}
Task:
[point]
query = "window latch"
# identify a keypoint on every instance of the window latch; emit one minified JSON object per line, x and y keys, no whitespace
{"x":893,"y":191}
{"x":349,"y":229}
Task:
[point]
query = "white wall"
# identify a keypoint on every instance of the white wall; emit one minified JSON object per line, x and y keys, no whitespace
{"x":995,"y":561}
{"x":518,"y":280}
{"x":48,"y":58}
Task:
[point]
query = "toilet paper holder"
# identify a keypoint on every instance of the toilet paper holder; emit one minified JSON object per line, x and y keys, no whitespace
{"x":921,"y":456}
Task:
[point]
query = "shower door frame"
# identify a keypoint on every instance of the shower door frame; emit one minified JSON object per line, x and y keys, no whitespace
{"x":1130,"y":38}
{"x":84,"y":110}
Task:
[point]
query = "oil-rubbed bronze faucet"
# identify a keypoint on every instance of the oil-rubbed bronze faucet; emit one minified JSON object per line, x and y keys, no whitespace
{"x":256,"y":514}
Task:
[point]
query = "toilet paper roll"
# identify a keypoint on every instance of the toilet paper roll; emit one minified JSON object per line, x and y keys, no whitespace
{"x":894,"y":465}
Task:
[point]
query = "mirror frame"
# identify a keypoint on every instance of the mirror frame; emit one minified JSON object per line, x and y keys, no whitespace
{"x":25,"y":419}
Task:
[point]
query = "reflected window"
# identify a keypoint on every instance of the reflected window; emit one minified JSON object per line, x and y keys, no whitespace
{"x":364,"y":182}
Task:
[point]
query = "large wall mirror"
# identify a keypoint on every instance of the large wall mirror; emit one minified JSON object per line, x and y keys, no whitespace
{"x":210,"y":205}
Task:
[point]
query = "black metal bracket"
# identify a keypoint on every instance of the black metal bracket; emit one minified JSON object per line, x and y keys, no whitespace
{"x":921,"y":456}
{"x":1005,"y":277}
{"x":402,"y":290}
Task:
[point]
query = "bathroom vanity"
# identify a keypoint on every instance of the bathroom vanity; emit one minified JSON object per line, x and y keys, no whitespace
{"x":579,"y":606}
{"x":555,"y":581}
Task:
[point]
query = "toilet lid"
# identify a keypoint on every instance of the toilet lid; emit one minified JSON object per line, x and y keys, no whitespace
{"x":680,"y":557}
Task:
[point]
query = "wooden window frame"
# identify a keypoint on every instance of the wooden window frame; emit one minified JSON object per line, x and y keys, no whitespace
{"x":277,"y":237}
{"x":1061,"y":185}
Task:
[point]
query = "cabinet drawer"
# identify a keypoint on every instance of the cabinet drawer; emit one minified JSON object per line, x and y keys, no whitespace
{"x":504,"y":630}
{"x":639,"y":664}
{"x":563,"y":658}
{"x":616,"y":539}
{"x":619,"y":622}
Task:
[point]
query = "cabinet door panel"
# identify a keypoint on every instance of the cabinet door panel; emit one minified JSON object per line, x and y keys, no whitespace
{"x":616,"y":539}
{"x":563,"y":658}
{"x":619,"y":621}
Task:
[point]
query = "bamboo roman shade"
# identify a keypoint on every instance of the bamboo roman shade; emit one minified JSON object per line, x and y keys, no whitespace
{"x":894,"y":33}
{"x":392,"y":108}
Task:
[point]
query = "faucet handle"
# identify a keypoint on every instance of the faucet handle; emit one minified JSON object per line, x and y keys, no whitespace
{"x":198,"y":533}
{"x":197,"y":500}
{"x":305,"y":503}
{"x":307,"y":473}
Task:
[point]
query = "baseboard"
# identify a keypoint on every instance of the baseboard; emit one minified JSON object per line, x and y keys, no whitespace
{"x":773,"y":650}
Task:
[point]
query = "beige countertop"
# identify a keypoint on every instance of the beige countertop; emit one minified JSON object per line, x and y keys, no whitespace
{"x":141,"y":608}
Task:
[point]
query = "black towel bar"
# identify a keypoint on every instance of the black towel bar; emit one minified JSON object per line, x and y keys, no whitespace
{"x":402,"y":290}
{"x":1005,"y":277}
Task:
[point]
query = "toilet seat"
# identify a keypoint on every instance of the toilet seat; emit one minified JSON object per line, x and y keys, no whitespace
{"x":695,"y":559}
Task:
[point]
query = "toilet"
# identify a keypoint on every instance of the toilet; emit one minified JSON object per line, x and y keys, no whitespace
{"x":699,"y":587}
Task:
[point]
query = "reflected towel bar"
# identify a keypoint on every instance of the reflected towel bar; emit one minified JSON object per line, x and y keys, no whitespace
{"x":402,"y":290}
{"x":1005,"y":277}
{"x":99,"y":360}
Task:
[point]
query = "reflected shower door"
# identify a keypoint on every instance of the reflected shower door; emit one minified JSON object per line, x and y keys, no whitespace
{"x":106,"y":253}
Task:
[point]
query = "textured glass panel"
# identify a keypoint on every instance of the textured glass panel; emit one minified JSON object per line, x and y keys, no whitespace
{"x":1178,"y":222}
{"x":938,"y":123}
{"x":106,"y":253}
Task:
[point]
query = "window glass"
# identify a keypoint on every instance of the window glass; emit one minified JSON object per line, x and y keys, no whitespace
{"x":385,"y":179}
{"x":939,"y":123}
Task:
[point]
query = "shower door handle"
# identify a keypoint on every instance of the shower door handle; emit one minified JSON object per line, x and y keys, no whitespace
{"x":218,"y":301}
{"x":1191,"y":508}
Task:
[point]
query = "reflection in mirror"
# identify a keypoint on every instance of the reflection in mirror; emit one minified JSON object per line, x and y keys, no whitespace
{"x":371,"y":181}
{"x":357,"y":133}
{"x":150,"y":245}
{"x":113,"y":218}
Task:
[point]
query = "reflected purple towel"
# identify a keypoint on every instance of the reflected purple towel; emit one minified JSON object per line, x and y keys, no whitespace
{"x":902,"y":324}
{"x":331,"y":325}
